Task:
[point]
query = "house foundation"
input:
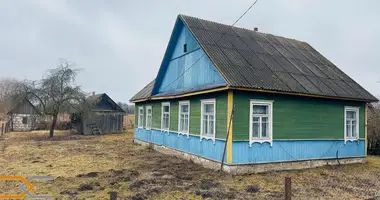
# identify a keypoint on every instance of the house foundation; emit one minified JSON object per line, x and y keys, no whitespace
{"x":251,"y":168}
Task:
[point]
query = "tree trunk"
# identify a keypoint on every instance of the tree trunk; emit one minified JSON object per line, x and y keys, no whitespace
{"x":53,"y":123}
{"x":11,"y":122}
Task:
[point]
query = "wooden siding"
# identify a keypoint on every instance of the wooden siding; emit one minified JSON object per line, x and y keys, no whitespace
{"x":195,"y":113}
{"x":25,"y":107}
{"x":177,"y":63}
{"x":297,"y":117}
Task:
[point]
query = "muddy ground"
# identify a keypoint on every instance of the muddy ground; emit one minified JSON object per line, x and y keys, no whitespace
{"x":89,"y":167}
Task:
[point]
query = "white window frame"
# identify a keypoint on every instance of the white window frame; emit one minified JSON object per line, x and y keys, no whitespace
{"x":140,"y":123}
{"x":181,"y":103}
{"x":203,"y":102}
{"x":162,"y":116}
{"x":146,"y":117}
{"x":260,"y":140}
{"x":355,"y":109}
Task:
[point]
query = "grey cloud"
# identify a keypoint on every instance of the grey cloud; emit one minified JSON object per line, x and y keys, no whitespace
{"x":120,"y":44}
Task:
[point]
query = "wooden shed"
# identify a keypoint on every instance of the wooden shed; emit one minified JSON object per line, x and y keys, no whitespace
{"x":105,"y":117}
{"x":23,"y":117}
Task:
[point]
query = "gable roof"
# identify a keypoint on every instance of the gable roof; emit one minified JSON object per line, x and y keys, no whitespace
{"x":93,"y":99}
{"x":24,"y":107}
{"x":145,"y":92}
{"x":255,"y":60}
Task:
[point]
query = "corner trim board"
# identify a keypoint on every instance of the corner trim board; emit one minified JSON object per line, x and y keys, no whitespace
{"x":230,"y":105}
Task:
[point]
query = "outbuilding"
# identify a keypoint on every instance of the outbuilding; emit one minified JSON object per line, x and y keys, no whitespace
{"x":104,"y":117}
{"x":24,"y":116}
{"x":252,"y":101}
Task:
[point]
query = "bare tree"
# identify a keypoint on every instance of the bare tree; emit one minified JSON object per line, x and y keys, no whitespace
{"x":8,"y":98}
{"x":55,"y":93}
{"x":8,"y":91}
{"x":374,"y":128}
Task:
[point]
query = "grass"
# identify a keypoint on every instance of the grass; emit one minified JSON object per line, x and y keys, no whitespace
{"x":88,"y":167}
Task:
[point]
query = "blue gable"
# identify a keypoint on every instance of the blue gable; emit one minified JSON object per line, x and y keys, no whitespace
{"x":178,"y":71}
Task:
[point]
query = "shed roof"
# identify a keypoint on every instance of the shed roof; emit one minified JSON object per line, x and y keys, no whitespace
{"x":99,"y":101}
{"x":24,"y":107}
{"x":255,"y":60}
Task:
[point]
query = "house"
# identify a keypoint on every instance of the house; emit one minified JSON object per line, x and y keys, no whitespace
{"x":104,"y":117}
{"x":24,"y":116}
{"x":265,"y":102}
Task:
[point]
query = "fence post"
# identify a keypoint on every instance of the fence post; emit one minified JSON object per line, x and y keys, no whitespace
{"x":113,"y":195}
{"x":288,"y":188}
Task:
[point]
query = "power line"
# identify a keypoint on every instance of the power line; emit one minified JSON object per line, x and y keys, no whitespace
{"x":230,"y":27}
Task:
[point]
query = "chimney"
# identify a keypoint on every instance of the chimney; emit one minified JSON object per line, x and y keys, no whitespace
{"x":255,"y":29}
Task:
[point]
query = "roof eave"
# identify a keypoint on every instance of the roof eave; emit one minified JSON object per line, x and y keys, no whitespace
{"x":304,"y":94}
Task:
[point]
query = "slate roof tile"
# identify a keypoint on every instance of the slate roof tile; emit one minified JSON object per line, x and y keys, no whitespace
{"x":251,"y":59}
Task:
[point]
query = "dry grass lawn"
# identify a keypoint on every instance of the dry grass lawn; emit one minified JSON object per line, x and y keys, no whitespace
{"x":88,"y":167}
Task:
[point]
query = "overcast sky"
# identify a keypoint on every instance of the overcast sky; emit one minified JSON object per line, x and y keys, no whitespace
{"x":120,"y":44}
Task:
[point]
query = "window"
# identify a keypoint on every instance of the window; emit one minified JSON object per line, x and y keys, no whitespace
{"x":185,"y":48}
{"x":351,"y":120}
{"x":184,"y":117}
{"x":260,"y":127}
{"x":165,"y":117}
{"x":24,"y":120}
{"x":148,"y":117}
{"x":208,"y":119}
{"x":140,"y":119}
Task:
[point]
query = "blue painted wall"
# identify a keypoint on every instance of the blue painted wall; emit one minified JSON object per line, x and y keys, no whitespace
{"x":292,"y":150}
{"x":191,"y":144}
{"x":197,"y":75}
{"x":282,"y":150}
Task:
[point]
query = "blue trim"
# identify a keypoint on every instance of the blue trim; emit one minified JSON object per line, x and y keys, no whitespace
{"x":293,"y":150}
{"x":191,"y":144}
{"x":182,"y":71}
{"x":281,"y":151}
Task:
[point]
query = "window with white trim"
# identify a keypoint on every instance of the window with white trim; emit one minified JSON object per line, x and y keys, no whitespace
{"x":260,"y":126}
{"x":184,"y":117}
{"x":351,"y":121}
{"x":208,"y":119}
{"x":148,"y":123}
{"x":140,"y":119}
{"x":165,"y":116}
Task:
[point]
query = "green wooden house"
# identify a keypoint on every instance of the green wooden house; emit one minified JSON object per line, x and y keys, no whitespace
{"x":267,"y":101}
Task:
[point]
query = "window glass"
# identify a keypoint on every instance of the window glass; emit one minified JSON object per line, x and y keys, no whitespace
{"x":165,"y":120}
{"x":149,"y":117}
{"x":208,"y":119}
{"x":140,"y":117}
{"x":184,"y":118}
{"x":351,"y":125}
{"x":260,"y":109}
{"x":209,"y":108}
{"x":25,"y":120}
{"x":260,"y":125}
{"x":166,"y":108}
{"x":184,"y":108}
{"x":351,"y":114}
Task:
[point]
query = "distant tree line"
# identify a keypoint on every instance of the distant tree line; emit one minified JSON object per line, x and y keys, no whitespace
{"x":129,"y":109}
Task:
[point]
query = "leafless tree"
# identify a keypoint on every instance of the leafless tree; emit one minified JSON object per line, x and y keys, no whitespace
{"x":56,"y":92}
{"x":129,"y":109}
{"x":8,"y":90}
{"x":374,"y":128}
